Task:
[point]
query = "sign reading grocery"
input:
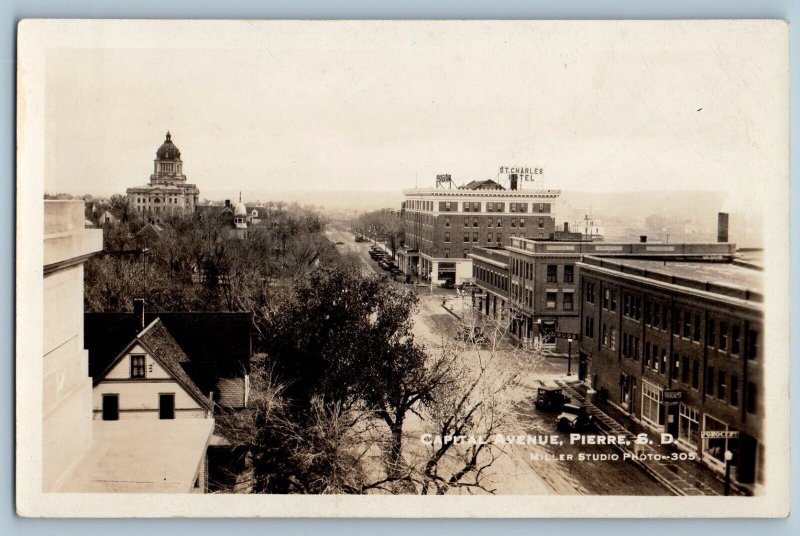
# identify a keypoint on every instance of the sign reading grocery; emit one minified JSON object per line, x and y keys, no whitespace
{"x":719,"y":434}
{"x":523,"y":173}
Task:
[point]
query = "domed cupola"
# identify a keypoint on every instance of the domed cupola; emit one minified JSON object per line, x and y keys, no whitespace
{"x":168,"y":151}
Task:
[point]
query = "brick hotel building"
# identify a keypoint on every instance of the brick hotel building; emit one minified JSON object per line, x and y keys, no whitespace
{"x":443,"y":225}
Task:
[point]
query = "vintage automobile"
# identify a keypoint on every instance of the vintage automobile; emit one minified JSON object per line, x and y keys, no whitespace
{"x":574,"y":418}
{"x":550,"y":398}
{"x":447,"y":283}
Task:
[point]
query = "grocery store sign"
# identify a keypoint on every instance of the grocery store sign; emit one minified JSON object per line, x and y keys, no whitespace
{"x":719,"y":434}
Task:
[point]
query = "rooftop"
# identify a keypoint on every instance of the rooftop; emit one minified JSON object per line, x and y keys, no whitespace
{"x":725,"y":278}
{"x":141,"y":456}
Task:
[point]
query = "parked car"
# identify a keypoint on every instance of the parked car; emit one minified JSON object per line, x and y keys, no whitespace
{"x":574,"y":418}
{"x":396,"y":271}
{"x":550,"y":398}
{"x":471,"y":334}
{"x":360,"y":239}
{"x":448,"y":283}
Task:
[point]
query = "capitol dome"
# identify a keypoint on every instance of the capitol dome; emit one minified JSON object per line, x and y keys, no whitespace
{"x":168,"y":151}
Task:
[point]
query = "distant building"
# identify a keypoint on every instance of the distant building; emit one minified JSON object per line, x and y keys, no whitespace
{"x":442,"y":225}
{"x":107,"y":218}
{"x":167,"y":193}
{"x":236,"y":220}
{"x":589,"y":228}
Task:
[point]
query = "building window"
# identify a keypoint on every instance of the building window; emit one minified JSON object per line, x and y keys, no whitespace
{"x":137,"y":366}
{"x":696,"y":334}
{"x":466,"y":221}
{"x":499,"y":238}
{"x":541,"y":223}
{"x":589,"y":292}
{"x":605,"y":335}
{"x":723,"y":335}
{"x":110,"y":407}
{"x":490,"y":237}
{"x":736,"y":339}
{"x":569,"y":273}
{"x":606,"y":298}
{"x":551,"y":299}
{"x":613,"y":300}
{"x":714,"y":448}
{"x":687,"y":324}
{"x":752,"y":344}
{"x":489,"y":222}
{"x":521,"y":222}
{"x":721,"y":385}
{"x":466,"y":253}
{"x":710,"y":381}
{"x":446,"y":253}
{"x":447,"y":236}
{"x":474,"y":222}
{"x":513,"y":222}
{"x":685,"y":370}
{"x":166,"y":405}
{"x":499,"y":222}
{"x":589,"y":327}
{"x":567,"y":300}
{"x":552,"y":273}
{"x":466,"y":237}
{"x":695,"y":374}
{"x":734,"y":390}
{"x":751,"y":398}
{"x":711,"y":332}
{"x":613,"y":339}
{"x":688,"y":425}
{"x":652,"y":409}
{"x":475,"y":237}
{"x":447,"y":221}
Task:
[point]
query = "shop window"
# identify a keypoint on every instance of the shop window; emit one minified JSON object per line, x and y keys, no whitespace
{"x":688,"y":425}
{"x":652,"y":407}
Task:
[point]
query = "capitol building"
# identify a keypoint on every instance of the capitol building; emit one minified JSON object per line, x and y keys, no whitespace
{"x":167,"y":192}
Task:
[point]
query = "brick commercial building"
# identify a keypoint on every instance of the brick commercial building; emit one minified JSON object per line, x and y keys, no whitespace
{"x":542,"y":289}
{"x":443,"y":224}
{"x":677,"y":345}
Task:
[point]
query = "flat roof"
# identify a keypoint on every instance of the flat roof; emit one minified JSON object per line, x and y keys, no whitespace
{"x":720,"y":273}
{"x":141,"y":456}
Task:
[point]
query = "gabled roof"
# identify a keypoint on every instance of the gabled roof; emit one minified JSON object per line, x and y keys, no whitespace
{"x":488,"y":184}
{"x":167,"y":352}
{"x":217,"y":345}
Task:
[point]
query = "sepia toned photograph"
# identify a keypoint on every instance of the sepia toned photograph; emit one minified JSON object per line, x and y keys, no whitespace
{"x":403,"y":268}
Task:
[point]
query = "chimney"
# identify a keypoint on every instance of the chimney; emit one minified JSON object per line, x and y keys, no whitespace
{"x":227,"y":203}
{"x":512,"y":181}
{"x":138,"y":312}
{"x":722,"y":227}
{"x":643,"y":238}
{"x":566,"y":226}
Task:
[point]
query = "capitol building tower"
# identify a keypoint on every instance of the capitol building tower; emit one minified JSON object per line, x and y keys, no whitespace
{"x":168,"y":192}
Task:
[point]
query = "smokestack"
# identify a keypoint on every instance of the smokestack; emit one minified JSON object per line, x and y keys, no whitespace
{"x":722,"y":227}
{"x":138,"y":312}
{"x":566,"y":226}
{"x":643,"y":238}
{"x":227,"y":203}
{"x":512,"y":181}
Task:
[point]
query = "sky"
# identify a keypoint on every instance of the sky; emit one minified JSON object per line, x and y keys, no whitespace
{"x":385,"y":106}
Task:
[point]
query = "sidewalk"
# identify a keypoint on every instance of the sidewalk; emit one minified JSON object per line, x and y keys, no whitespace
{"x":680,"y":477}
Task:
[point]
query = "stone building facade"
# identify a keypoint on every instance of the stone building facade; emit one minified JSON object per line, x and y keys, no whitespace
{"x":167,"y":193}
